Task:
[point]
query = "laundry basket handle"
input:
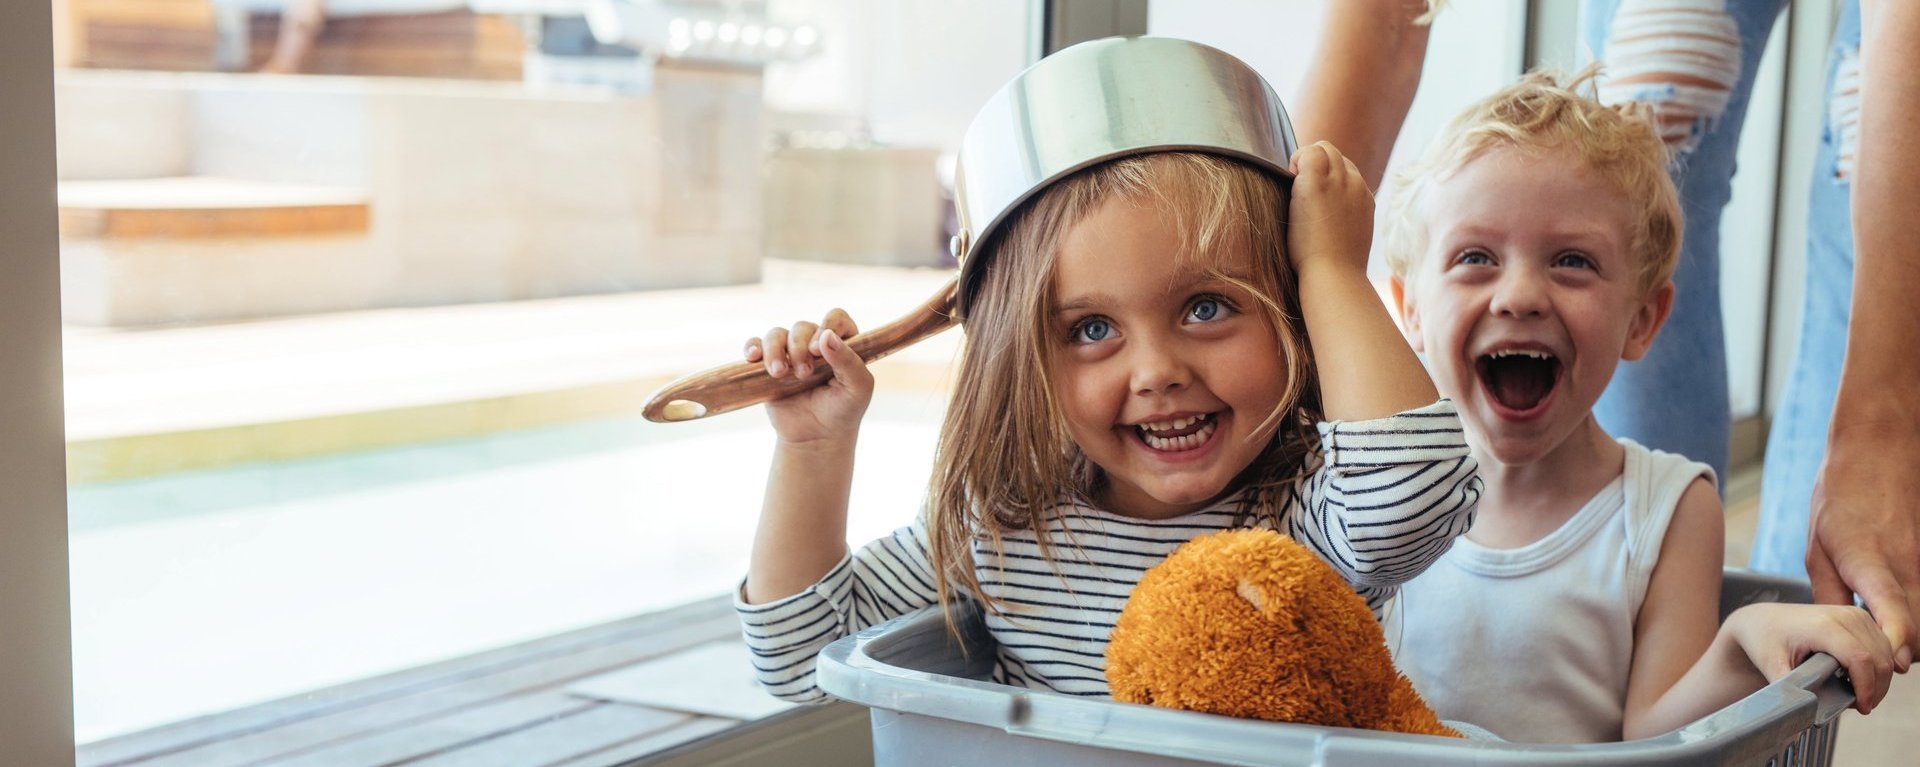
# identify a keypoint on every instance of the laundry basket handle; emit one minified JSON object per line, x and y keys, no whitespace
{"x":1821,"y":675}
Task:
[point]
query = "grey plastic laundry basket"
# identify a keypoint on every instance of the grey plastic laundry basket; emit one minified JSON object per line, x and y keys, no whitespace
{"x":931,"y":707}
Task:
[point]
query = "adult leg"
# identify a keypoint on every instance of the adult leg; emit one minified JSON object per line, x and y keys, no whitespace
{"x":300,"y":25}
{"x":1798,"y":441}
{"x":1694,"y":60}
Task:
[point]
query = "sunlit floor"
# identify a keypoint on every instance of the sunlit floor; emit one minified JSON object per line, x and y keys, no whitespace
{"x":202,"y":592}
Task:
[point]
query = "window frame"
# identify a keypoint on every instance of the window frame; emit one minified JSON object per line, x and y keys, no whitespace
{"x":36,"y":651}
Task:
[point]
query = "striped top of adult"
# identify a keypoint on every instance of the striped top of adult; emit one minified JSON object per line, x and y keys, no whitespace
{"x":1388,"y":497}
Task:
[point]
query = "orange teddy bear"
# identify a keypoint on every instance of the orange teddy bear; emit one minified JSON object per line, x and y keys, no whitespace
{"x":1249,"y":623}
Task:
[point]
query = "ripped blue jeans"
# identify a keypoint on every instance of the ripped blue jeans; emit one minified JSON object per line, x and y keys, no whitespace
{"x":1676,"y":399}
{"x":1694,"y":60}
{"x":1798,"y":441}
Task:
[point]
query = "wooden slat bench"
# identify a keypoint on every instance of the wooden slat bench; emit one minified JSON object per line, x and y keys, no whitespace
{"x":186,"y":35}
{"x":207,"y":207}
{"x":504,"y":707}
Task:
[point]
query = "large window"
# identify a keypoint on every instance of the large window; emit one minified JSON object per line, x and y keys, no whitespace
{"x":359,"y":323}
{"x":362,"y":299}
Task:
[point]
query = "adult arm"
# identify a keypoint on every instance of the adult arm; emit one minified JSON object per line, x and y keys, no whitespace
{"x":1865,"y":531}
{"x":1362,"y":80}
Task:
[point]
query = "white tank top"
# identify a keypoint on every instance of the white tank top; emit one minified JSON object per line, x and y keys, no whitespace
{"x":1536,"y":643}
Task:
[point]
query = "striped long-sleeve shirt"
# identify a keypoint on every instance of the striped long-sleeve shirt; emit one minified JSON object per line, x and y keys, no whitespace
{"x":1388,"y":497}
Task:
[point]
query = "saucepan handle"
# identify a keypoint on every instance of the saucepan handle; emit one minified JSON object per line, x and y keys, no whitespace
{"x":736,"y":385}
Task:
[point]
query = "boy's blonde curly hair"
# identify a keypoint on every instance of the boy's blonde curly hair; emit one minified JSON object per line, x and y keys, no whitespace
{"x":1547,"y":111}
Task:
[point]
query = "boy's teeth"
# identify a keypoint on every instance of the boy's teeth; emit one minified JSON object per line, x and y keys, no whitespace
{"x":1519,"y":379}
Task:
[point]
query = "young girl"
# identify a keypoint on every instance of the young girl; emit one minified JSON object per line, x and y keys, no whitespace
{"x":1152,"y":356}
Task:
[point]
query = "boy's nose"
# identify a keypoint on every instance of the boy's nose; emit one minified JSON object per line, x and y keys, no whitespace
{"x":1520,"y":293}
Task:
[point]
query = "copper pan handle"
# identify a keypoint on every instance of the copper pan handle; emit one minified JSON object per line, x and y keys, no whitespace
{"x":736,"y":385}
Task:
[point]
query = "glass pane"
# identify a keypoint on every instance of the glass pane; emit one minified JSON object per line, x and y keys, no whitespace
{"x":1747,"y":231}
{"x":1480,"y":47}
{"x":359,"y":324}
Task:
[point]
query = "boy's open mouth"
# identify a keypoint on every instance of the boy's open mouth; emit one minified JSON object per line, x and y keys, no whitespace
{"x":1179,"y":434}
{"x":1519,"y":379}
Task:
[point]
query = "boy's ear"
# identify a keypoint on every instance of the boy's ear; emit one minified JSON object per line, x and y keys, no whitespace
{"x":1647,"y":320}
{"x":1409,"y":314}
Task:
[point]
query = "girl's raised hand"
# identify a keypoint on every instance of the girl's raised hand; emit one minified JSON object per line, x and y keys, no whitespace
{"x":1331,"y":218}
{"x":830,"y":411}
{"x":1777,"y":637}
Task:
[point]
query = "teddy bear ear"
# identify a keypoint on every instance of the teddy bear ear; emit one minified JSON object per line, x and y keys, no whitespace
{"x":1252,"y":594}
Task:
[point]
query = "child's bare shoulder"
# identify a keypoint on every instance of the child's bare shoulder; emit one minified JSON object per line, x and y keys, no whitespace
{"x":1698,"y":508}
{"x":1697,"y":520}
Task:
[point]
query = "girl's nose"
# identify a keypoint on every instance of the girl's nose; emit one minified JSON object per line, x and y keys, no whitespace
{"x":1158,"y":367}
{"x":1520,"y":293}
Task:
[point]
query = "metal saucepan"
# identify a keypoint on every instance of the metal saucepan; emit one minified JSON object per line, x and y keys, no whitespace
{"x":1093,"y":102}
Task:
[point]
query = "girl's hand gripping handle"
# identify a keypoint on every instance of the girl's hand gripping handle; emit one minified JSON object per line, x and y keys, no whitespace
{"x":736,"y":385}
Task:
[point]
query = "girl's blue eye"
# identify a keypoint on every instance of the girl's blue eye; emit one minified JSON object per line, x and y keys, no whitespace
{"x":1573,"y":259}
{"x":1206,"y":309}
{"x":1474,"y":258}
{"x":1091,"y":330}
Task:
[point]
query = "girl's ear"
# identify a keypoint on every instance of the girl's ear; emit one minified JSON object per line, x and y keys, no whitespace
{"x":1408,"y":314}
{"x":1647,"y":321}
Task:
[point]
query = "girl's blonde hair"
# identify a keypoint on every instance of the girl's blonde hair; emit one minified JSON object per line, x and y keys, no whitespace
{"x":1546,"y":111}
{"x":1005,"y":461}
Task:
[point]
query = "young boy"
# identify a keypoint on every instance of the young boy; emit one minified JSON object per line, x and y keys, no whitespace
{"x":1532,"y":250}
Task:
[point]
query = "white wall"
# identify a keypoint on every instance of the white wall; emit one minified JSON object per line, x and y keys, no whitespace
{"x":914,"y":70}
{"x":1477,"y":46}
{"x":36,"y":658}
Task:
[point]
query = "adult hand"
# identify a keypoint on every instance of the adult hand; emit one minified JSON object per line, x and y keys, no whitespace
{"x":1865,"y":533}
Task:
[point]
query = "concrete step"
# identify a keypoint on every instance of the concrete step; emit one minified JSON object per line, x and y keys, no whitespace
{"x":157,"y":251}
{"x":147,"y":402}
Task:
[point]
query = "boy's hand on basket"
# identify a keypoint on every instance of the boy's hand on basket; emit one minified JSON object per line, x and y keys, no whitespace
{"x":1778,"y":637}
{"x":1331,"y":214}
{"x":832,"y":410}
